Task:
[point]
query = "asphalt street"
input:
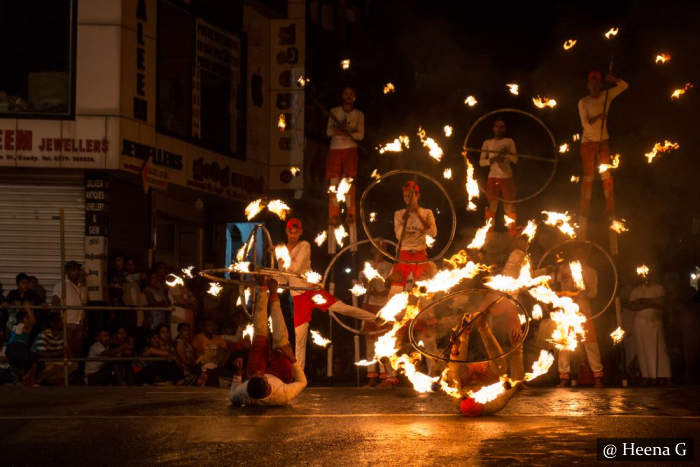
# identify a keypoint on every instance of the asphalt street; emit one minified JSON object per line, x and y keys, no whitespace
{"x":328,"y":426}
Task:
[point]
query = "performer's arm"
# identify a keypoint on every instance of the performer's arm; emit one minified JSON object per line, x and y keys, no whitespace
{"x":292,"y":390}
{"x":485,"y":159}
{"x":583,"y":116}
{"x":512,"y":152}
{"x":358,"y":133}
{"x":429,"y":223}
{"x":300,"y":259}
{"x":239,"y":391}
{"x":398,"y":223}
{"x":616,"y":90}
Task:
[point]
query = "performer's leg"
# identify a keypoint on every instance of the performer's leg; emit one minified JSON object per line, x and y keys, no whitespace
{"x":564,"y":366}
{"x":606,"y":177}
{"x":350,"y":170}
{"x":492,"y":188}
{"x":280,"y":335}
{"x":257,"y":357}
{"x":352,"y":311}
{"x":588,"y":153}
{"x":590,"y":345}
{"x":333,"y":206}
{"x":301,"y":332}
{"x":508,"y":194}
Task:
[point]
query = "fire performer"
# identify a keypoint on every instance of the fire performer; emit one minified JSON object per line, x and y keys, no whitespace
{"x":593,"y":112}
{"x":582,"y":297}
{"x":498,"y":153}
{"x":411,"y":225}
{"x":274,"y":378}
{"x":346,"y":126}
{"x":306,"y":301}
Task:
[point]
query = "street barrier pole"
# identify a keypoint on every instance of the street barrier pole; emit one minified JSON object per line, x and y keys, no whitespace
{"x":62,"y":247}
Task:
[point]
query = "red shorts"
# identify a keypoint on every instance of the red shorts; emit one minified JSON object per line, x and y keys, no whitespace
{"x":341,"y":163}
{"x":304,"y":304}
{"x":589,"y":151}
{"x":262,"y":360}
{"x":500,"y":187}
{"x":405,"y":269}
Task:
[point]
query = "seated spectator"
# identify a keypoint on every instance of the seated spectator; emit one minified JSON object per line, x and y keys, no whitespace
{"x":122,"y":346}
{"x":49,"y":344}
{"x":160,"y":371}
{"x":186,"y":358}
{"x":212,"y":352}
{"x":99,"y":373}
{"x":17,"y":297}
{"x":17,"y":350}
{"x":156,"y":295}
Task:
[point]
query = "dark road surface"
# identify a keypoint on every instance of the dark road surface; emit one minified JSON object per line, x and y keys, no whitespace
{"x":328,"y":426}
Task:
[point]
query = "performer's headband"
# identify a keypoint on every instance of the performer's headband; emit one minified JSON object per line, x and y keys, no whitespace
{"x":294,"y":223}
{"x":411,"y":186}
{"x":595,"y":75}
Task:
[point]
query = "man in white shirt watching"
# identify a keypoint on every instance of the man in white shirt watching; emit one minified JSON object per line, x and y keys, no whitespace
{"x":76,"y":294}
{"x":498,"y":153}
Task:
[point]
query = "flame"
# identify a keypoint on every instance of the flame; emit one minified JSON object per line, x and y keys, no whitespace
{"x":248,"y":332}
{"x":302,"y":81}
{"x":445,"y":386}
{"x":643,"y":270}
{"x":542,"y":102}
{"x":564,"y":148}
{"x":480,"y":236}
{"x":569,"y":43}
{"x":490,"y":392}
{"x":320,"y":238}
{"x":429,"y":241}
{"x":575,"y":179}
{"x":279,"y":207}
{"x":618,"y":226}
{"x":313,"y":277}
{"x":615,"y":163}
{"x":434,"y":150}
{"x":663,"y":58}
{"x":677,"y":93}
{"x":370,"y":273}
{"x":188,"y":271}
{"x":541,"y":366}
{"x":318,"y":339}
{"x":254,"y":208}
{"x":295,"y":170}
{"x":537,"y":311}
{"x":447,"y":174}
{"x":284,"y":259}
{"x":569,"y":321}
{"x":282,"y":122}
{"x":215,"y":289}
{"x":472,"y":186}
{"x":508,"y":221}
{"x":470,"y":101}
{"x":617,"y":335}
{"x":510,"y":284}
{"x":372,"y":216}
{"x":375,"y":174}
{"x":530,"y":230}
{"x":393,"y":307}
{"x":420,"y":381}
{"x":513,"y":88}
{"x":658,"y":147}
{"x":398,"y":145}
{"x":345,"y":64}
{"x":243,"y":250}
{"x":389,"y":88}
{"x":340,"y":235}
{"x":246,"y":298}
{"x":448,"y":130}
{"x":577,"y":274}
{"x":318,"y":299}
{"x":612,"y":32}
{"x":172,"y":280}
{"x":341,"y":189}
{"x":358,"y":290}
{"x":445,"y":279}
{"x":575,"y":137}
{"x":522,"y":318}
{"x":561,"y":221}
{"x":240,"y":266}
{"x":364,"y":362}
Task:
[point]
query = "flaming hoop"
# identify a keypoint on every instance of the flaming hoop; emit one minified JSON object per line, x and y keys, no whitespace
{"x":551,"y":160}
{"x":415,"y":173}
{"x":326,"y":276}
{"x":605,"y":254}
{"x":466,"y":325}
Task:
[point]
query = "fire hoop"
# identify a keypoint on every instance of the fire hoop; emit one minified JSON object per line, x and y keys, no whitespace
{"x":604,"y":253}
{"x":415,"y":173}
{"x":554,"y":161}
{"x":326,"y":275}
{"x":464,"y":323}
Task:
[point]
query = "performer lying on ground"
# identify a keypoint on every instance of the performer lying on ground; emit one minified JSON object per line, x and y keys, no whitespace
{"x":300,"y":253}
{"x":498,"y":153}
{"x":274,"y":375}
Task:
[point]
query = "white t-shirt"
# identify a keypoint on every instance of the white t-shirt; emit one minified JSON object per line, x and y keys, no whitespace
{"x":652,"y":291}
{"x":353,"y":121}
{"x":95,"y":350}
{"x":415,"y":232}
{"x":75,"y":295}
{"x":301,"y":262}
{"x":280,"y":394}
{"x":503,"y":169}
{"x":592,"y":106}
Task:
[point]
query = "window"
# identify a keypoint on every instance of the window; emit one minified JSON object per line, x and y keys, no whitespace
{"x":36,"y":46}
{"x":200,"y":68}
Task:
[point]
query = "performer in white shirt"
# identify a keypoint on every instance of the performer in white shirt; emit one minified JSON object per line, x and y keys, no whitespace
{"x":304,"y":304}
{"x":275,"y":378}
{"x":647,"y":301}
{"x":595,"y":140}
{"x":418,"y":222}
{"x":498,"y":153}
{"x":346,"y":126}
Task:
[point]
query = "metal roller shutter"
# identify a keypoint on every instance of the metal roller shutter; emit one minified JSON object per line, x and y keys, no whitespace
{"x":29,"y":226}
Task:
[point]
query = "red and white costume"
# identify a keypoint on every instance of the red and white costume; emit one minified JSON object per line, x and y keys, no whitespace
{"x":413,"y":246}
{"x":500,"y":180}
{"x":342,"y":157}
{"x":595,"y":144}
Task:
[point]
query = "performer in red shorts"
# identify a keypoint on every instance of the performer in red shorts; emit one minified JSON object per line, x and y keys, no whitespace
{"x":346,"y":126}
{"x":498,"y":153}
{"x":593,"y":112}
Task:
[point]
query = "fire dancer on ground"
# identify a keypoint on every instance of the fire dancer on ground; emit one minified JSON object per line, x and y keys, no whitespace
{"x":304,"y":303}
{"x":593,"y":112}
{"x":346,"y":126}
{"x":498,"y":153}
{"x":582,"y":297}
{"x":274,"y":377}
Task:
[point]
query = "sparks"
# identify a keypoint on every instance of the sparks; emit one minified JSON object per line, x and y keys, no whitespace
{"x":254,"y":208}
{"x":358,"y":290}
{"x":569,"y":43}
{"x":537,"y":311}
{"x":513,"y":88}
{"x":643,"y":271}
{"x":541,"y":366}
{"x":470,"y":101}
{"x":575,"y":179}
{"x":340,"y":235}
{"x":389,"y":88}
{"x":564,"y":148}
{"x":618,"y":226}
{"x":566,"y":316}
{"x":320,"y":238}
{"x":375,"y":174}
{"x":370,"y":273}
{"x":510,"y":284}
{"x":617,"y":335}
{"x":429,"y":241}
{"x":313,"y":277}
{"x":345,"y":64}
{"x":278,"y":207}
{"x":614,"y":164}
{"x":508,"y":221}
{"x":447,"y":129}
{"x":318,"y":299}
{"x":215,"y":289}
{"x":398,"y":145}
{"x":372,"y":216}
{"x":284,"y":259}
{"x":663,"y":58}
{"x":282,"y":122}
{"x":542,"y":102}
{"x":677,"y":93}
{"x":302,"y":81}
{"x":447,"y":174}
{"x":658,"y":147}
{"x":244,"y":249}
{"x":248,"y":332}
{"x":364,"y":362}
{"x":530,"y":230}
{"x":188,"y":271}
{"x":393,"y":307}
{"x":172,"y":280}
{"x":490,"y":392}
{"x":341,"y":189}
{"x":577,"y":274}
{"x":240,"y":266}
{"x":434,"y":150}
{"x":561,"y":221}
{"x":295,"y":170}
{"x":243,"y":301}
{"x":420,"y":381}
{"x":575,"y":137}
{"x":446,"y":279}
{"x":480,"y":236}
{"x":318,"y":339}
{"x":472,"y":186}
{"x":612,"y":32}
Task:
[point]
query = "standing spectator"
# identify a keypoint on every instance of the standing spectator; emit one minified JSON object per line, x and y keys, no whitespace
{"x":156,"y":295}
{"x":37,"y":288}
{"x":18,"y":348}
{"x":49,"y":344}
{"x":17,"y":297}
{"x":117,"y":278}
{"x":186,"y":357}
{"x":76,"y":294}
{"x":212,"y":352}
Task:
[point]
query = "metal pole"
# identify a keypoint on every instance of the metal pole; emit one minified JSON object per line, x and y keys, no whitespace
{"x":62,"y":237}
{"x":522,"y":156}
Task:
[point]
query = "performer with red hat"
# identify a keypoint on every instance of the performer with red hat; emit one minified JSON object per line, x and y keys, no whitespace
{"x":593,"y":112}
